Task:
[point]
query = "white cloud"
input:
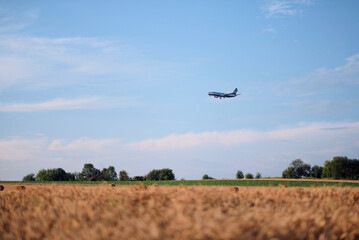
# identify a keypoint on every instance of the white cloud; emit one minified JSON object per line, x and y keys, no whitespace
{"x":19,"y":148}
{"x":275,"y":8}
{"x":83,"y":144}
{"x":70,"y":104}
{"x":238,"y":137}
{"x":302,"y":134}
{"x":216,"y":153}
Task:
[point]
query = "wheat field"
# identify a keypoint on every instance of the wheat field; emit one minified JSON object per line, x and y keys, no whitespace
{"x":55,"y":211}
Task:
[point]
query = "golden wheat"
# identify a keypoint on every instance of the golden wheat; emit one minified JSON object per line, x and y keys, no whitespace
{"x":169,"y":212}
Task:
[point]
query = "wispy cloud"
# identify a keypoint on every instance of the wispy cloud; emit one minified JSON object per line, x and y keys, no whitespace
{"x":34,"y":62}
{"x":238,"y":137}
{"x":83,"y":144}
{"x":276,"y":8}
{"x":298,"y":135}
{"x":70,"y":104}
{"x":11,"y":21}
{"x":326,"y":78}
{"x":270,"y":30}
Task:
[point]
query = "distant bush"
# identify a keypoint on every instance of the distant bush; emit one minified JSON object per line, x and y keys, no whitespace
{"x":239,"y":174}
{"x":249,"y":176}
{"x":205,"y":176}
{"x":258,"y":175}
{"x":29,"y":177}
{"x":139,"y":178}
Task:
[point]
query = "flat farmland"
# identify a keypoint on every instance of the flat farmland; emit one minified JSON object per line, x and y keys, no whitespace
{"x":66,"y":211}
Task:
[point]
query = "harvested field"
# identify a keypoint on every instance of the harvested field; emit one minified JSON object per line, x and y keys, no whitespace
{"x":54,"y":211}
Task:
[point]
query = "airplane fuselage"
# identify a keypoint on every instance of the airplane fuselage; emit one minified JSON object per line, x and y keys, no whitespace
{"x":223,"y":95}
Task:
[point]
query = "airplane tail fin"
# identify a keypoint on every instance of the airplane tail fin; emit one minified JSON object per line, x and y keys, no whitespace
{"x":235,"y":90}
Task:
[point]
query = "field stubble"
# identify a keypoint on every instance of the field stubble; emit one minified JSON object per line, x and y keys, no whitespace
{"x":53,"y":211}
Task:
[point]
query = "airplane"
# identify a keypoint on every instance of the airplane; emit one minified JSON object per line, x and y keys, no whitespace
{"x":224,"y":95}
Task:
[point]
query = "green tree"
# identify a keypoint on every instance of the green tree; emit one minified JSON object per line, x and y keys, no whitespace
{"x":139,"y":178}
{"x":70,"y":177}
{"x":289,"y":173}
{"x":52,"y":174}
{"x":297,"y":169}
{"x":239,"y":175}
{"x":317,"y":171}
{"x":153,"y":175}
{"x":108,"y":174}
{"x":301,"y":169}
{"x":353,"y":171}
{"x":167,"y":174}
{"x":344,"y":168}
{"x":89,"y":172}
{"x":327,"y":170}
{"x":340,"y":167}
{"x":42,"y":175}
{"x":249,"y":176}
{"x":258,"y":175}
{"x":29,"y":177}
{"x":76,"y":176}
{"x":123,"y":176}
{"x":205,"y":176}
{"x":160,"y":174}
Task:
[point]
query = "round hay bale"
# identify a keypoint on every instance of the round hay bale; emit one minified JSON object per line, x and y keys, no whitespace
{"x":234,"y":189}
{"x":142,"y":186}
{"x":21,"y":188}
{"x":154,"y":185}
{"x":282,"y":186}
{"x":111,"y":185}
{"x":2,"y":188}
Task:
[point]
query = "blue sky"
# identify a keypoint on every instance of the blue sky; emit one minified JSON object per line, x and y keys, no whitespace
{"x":125,"y":83}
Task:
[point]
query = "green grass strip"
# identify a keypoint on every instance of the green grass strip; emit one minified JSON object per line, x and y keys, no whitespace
{"x":214,"y":182}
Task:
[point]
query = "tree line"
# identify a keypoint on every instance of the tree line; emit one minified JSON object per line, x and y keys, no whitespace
{"x":239,"y":175}
{"x":90,"y":173}
{"x":337,"y":168}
